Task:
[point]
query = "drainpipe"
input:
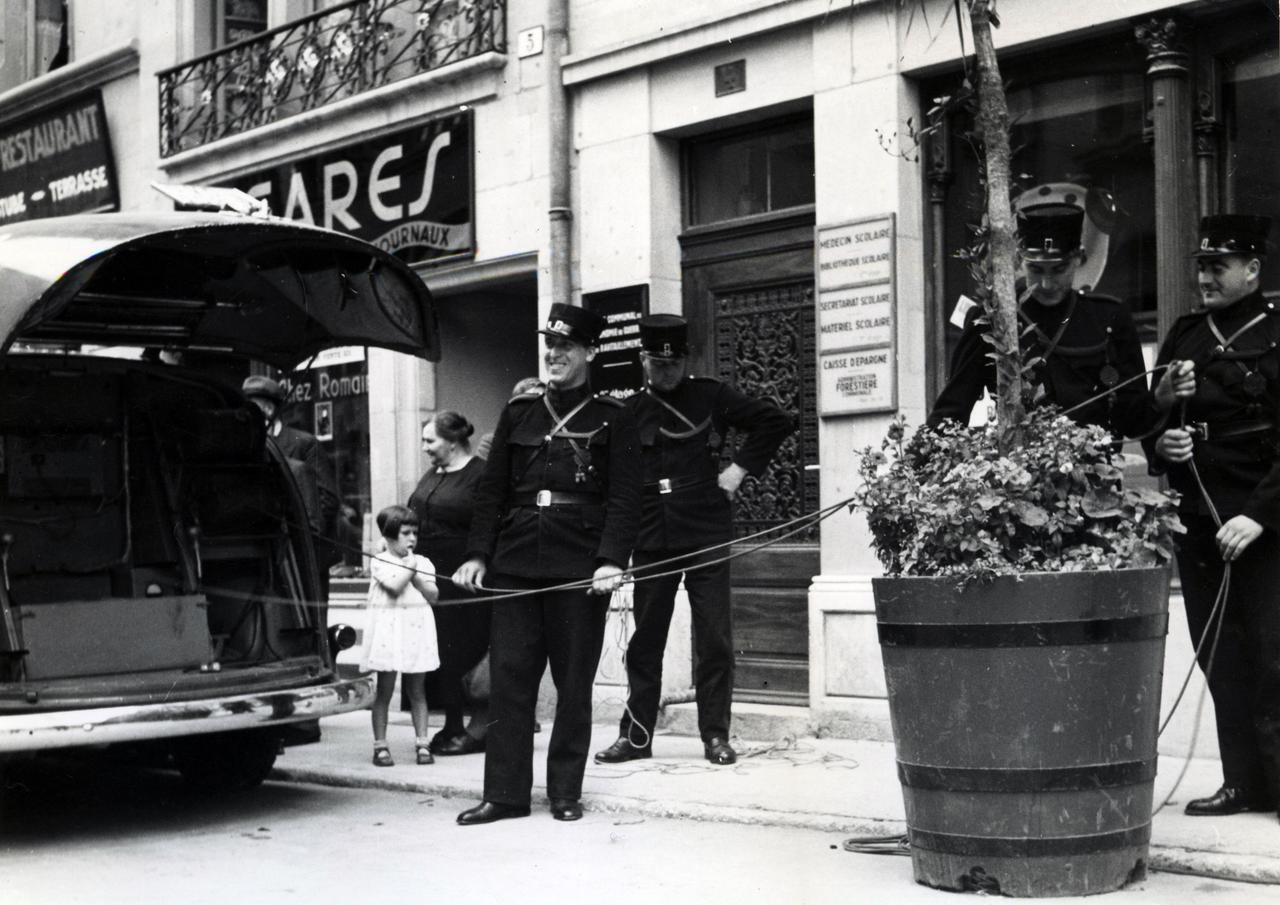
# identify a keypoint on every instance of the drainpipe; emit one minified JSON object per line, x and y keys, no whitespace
{"x":560,"y":213}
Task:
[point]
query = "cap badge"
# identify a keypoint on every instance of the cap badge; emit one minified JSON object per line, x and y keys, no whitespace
{"x":666,"y":348}
{"x":559,"y":327}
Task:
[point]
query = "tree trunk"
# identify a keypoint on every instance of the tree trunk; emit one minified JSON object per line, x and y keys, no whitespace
{"x":993,"y":122}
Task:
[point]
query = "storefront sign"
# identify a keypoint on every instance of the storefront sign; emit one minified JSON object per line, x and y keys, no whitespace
{"x":857,"y":316}
{"x":408,"y":192}
{"x":616,"y":369}
{"x":856,"y":383}
{"x":57,"y":162}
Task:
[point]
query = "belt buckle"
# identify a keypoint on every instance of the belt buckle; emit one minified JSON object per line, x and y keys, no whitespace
{"x":1198,"y":429}
{"x":543,"y":498}
{"x":664,"y":485}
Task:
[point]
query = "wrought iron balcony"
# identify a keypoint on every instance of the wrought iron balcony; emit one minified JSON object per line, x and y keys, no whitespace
{"x":317,"y":60}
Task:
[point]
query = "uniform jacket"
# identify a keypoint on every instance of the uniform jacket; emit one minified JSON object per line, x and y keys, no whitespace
{"x":1241,"y":474}
{"x":696,"y":512}
{"x":517,"y":537}
{"x":1099,"y":334}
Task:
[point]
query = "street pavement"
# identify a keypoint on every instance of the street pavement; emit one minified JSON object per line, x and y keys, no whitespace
{"x":835,"y":785}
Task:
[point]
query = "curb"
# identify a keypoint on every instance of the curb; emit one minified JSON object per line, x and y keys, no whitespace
{"x":1166,"y":859}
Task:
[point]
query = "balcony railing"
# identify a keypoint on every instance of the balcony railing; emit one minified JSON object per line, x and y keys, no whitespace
{"x":317,"y":60}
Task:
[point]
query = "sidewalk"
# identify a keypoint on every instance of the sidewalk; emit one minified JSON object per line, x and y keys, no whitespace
{"x":834,"y":785}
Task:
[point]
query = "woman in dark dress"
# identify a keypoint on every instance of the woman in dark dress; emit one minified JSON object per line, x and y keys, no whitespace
{"x":443,"y":503}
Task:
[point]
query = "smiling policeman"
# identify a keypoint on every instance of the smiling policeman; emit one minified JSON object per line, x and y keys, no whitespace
{"x":1222,"y":396}
{"x":559,"y":502}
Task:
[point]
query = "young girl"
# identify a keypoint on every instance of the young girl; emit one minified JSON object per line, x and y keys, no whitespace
{"x":400,"y":632}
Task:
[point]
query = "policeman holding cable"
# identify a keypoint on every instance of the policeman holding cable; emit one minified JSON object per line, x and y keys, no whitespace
{"x":1084,"y":344}
{"x":559,"y":503}
{"x":1221,"y":451}
{"x":683,"y":422}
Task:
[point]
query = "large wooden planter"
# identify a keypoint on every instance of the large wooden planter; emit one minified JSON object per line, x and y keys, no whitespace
{"x":1025,"y":715}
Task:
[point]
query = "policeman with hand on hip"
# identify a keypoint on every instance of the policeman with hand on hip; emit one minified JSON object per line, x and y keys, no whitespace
{"x":1221,"y":451}
{"x":683,"y":422}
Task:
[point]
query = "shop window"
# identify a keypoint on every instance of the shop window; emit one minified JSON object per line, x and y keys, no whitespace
{"x":767,"y":168}
{"x":330,"y":400}
{"x":1071,"y":122}
{"x":1251,"y":180}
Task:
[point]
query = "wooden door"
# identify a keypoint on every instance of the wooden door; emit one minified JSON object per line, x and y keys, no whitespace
{"x":748,"y":294}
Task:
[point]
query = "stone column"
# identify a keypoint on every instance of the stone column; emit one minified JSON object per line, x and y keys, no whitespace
{"x":1169,"y":90}
{"x":1208,"y":132}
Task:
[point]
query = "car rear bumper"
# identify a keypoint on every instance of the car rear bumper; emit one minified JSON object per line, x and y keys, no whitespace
{"x":111,"y":725}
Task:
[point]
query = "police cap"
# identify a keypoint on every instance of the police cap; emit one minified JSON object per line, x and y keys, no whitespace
{"x":574,"y":323}
{"x":664,"y":336}
{"x":1050,"y":235}
{"x":1232,"y":234}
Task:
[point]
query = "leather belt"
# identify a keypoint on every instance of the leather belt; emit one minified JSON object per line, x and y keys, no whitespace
{"x":1227,"y":430}
{"x":544,"y":498}
{"x":671,"y":485}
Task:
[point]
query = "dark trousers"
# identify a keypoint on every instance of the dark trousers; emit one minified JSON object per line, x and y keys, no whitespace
{"x":1244,"y":680}
{"x":565,"y":629}
{"x":709,"y":606}
{"x":462,"y":630}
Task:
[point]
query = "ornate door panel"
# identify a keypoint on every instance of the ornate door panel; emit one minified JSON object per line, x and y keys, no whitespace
{"x":749,"y":298}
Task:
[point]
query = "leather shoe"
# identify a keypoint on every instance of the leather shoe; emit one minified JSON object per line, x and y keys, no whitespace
{"x":1227,"y":800}
{"x":718,"y":751}
{"x":566,"y":809}
{"x":489,"y":811}
{"x":622,"y":751}
{"x":466,"y":743}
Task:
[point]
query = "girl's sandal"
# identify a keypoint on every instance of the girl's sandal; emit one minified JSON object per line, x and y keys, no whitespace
{"x":382,"y":757}
{"x":425,"y":756}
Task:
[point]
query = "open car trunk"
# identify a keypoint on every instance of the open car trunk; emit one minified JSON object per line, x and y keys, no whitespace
{"x":158,"y":575}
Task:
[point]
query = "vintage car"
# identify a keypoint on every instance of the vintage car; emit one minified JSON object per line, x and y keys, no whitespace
{"x":158,"y":582}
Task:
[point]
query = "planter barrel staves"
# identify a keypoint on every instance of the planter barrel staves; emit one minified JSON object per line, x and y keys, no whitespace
{"x":1025,"y":713}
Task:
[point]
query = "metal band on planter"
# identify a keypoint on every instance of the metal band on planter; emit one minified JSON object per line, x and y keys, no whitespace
{"x":1025,"y":634}
{"x":1030,"y":847}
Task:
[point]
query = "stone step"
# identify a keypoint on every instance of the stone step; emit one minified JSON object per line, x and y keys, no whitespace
{"x":770,"y":722}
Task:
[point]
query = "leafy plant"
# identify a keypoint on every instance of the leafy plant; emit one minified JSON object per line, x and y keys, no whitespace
{"x":949,"y":501}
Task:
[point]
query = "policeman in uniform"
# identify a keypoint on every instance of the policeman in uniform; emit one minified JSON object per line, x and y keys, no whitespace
{"x":1086,"y":343}
{"x":559,"y":502}
{"x":1222,"y":397}
{"x":682,"y":422}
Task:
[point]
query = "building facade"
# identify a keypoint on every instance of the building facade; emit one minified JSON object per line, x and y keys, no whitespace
{"x":754,"y":165}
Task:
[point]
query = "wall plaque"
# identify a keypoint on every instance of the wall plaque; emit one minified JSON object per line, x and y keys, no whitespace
{"x":856,"y":302}
{"x":857,"y":382}
{"x":616,"y":369}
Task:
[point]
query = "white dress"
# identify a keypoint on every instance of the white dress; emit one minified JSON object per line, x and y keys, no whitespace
{"x":400,"y":631}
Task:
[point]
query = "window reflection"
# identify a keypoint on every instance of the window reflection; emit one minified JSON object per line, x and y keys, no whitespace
{"x":1251,"y":180}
